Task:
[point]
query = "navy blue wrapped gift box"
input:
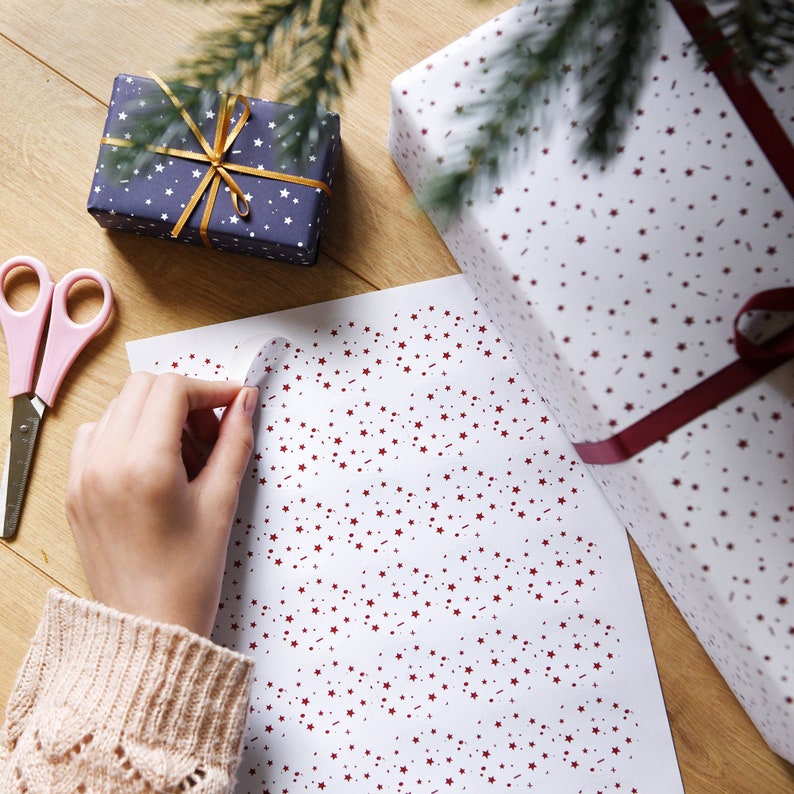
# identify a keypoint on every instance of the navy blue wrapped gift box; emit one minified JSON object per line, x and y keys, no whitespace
{"x":224,"y":176}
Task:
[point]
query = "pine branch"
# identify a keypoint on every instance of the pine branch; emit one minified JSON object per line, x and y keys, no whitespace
{"x":314,"y":42}
{"x":760,"y":32}
{"x":532,"y":63}
{"x":610,"y":88}
{"x":158,"y":125}
{"x":225,"y":57}
{"x":321,"y":60}
{"x":605,"y":42}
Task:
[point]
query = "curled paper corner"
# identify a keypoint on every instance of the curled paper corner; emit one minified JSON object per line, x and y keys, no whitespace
{"x":257,"y":356}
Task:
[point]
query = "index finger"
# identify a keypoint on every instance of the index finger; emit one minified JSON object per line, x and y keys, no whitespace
{"x":172,"y":398}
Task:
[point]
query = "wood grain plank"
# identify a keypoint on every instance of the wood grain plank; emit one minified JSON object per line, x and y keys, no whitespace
{"x":719,"y":748}
{"x":59,"y":61}
{"x":25,"y":588}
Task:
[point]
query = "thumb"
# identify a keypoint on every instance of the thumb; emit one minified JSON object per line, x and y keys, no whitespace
{"x":222,"y":475}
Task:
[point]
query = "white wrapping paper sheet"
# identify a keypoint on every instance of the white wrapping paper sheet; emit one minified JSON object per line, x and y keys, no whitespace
{"x":437,"y":594}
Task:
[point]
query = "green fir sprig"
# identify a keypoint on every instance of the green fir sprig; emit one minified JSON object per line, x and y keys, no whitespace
{"x":604,"y":46}
{"x":759,"y":32}
{"x":313,"y":46}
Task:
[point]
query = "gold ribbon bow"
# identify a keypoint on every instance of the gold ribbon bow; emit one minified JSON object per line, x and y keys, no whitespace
{"x":218,"y":171}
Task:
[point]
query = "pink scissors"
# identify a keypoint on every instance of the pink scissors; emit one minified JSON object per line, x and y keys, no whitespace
{"x":65,"y":341}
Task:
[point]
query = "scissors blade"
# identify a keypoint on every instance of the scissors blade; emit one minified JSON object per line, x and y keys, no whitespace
{"x":26,"y":416}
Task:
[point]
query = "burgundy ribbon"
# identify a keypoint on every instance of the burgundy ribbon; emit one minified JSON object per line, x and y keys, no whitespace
{"x":754,"y":362}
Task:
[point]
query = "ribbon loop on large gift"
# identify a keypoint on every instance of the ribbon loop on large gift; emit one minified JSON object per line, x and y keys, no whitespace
{"x":755,"y":360}
{"x":213,"y":155}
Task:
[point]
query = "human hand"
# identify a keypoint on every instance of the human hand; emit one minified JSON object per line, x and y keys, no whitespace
{"x":150,"y":518}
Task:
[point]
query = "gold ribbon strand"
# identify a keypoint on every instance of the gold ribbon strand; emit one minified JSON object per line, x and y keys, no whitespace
{"x":218,"y":171}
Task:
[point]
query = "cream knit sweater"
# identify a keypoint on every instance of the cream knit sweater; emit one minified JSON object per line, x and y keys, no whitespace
{"x":108,"y":702}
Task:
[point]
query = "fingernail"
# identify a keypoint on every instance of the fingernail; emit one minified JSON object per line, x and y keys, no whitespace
{"x":250,"y":399}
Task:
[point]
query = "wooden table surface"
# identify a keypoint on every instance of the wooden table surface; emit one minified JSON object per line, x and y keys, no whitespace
{"x":58,"y":63}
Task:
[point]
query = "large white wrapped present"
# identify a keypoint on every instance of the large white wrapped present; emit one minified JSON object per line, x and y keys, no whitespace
{"x":618,"y":288}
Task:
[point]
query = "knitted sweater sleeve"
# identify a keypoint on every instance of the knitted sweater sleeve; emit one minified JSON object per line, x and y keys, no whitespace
{"x":110,"y":702}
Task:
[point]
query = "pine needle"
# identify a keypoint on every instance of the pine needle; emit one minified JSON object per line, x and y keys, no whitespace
{"x":315,"y":45}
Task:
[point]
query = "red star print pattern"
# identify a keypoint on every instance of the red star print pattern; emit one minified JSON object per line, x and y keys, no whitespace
{"x":437,"y":595}
{"x":617,"y":288}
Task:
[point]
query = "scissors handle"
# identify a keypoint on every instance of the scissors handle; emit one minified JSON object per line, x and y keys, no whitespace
{"x":23,"y":329}
{"x":66,"y":338}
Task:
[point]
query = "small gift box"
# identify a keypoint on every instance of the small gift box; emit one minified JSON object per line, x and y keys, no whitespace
{"x":224,"y":173}
{"x":625,"y":293}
